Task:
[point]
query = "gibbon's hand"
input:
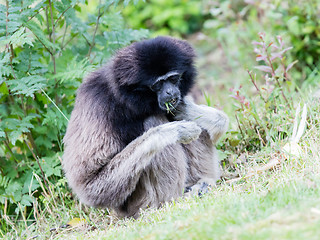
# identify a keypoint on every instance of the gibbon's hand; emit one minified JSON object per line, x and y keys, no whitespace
{"x":214,"y":121}
{"x":179,"y":131}
{"x":188,"y":132}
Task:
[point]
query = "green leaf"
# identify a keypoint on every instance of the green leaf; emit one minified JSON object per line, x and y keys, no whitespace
{"x":13,"y":20}
{"x":126,"y":2}
{"x":294,"y":26}
{"x":125,"y":36}
{"x":19,"y":38}
{"x":27,"y":85}
{"x":75,"y":70}
{"x":40,"y":36}
{"x":29,"y":182}
{"x":26,"y":200}
{"x":2,"y":134}
{"x":43,"y":140}
{"x":13,"y":191}
{"x":51,"y":166}
{"x":14,"y":136}
{"x":17,"y":127}
{"x":54,"y":118}
{"x":4,"y":66}
{"x":29,"y":61}
{"x":4,"y":181}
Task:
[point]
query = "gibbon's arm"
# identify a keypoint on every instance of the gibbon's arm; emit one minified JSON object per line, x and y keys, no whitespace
{"x":214,"y":121}
{"x":112,"y":185}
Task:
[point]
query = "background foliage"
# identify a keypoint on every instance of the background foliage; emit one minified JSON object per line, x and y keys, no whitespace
{"x":166,"y":16}
{"x":236,"y":24}
{"x":47,"y":47}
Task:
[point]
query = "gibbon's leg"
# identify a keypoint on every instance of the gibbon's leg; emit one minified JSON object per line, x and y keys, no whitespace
{"x":161,"y":181}
{"x":115,"y":182}
{"x":203,"y":164}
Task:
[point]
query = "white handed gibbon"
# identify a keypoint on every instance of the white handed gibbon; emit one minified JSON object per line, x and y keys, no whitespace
{"x":135,"y":139}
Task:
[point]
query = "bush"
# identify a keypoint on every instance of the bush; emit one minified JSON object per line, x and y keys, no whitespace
{"x":235,"y":23}
{"x":264,"y":118}
{"x":166,"y":16}
{"x":47,"y":47}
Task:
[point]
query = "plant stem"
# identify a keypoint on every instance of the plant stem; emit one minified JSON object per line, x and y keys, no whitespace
{"x":261,"y":139}
{"x":284,"y":71}
{"x":86,"y":39}
{"x":37,"y":159}
{"x":55,"y":23}
{"x":270,"y":64}
{"x":95,"y":30}
{"x":255,"y":85}
{"x":7,"y":143}
{"x":274,"y":75}
{"x":53,"y":39}
{"x":28,"y":20}
{"x":7,"y":17}
{"x":69,"y":40}
{"x":42,"y":43}
{"x":282,"y":93}
{"x":52,"y":36}
{"x":29,"y":134}
{"x":64,"y":36}
{"x":54,"y":104}
{"x":48,"y":27}
{"x":239,"y":125}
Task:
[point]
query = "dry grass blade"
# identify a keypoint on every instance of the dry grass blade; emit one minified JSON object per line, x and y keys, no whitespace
{"x":274,"y":162}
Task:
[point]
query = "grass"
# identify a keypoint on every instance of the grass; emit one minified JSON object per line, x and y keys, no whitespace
{"x":279,"y":203}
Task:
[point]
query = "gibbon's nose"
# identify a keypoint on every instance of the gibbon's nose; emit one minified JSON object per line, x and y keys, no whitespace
{"x":169,"y":92}
{"x":171,"y":95}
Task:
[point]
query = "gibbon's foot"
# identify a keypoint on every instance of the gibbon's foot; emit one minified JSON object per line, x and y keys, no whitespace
{"x":204,"y":188}
{"x":198,"y":189}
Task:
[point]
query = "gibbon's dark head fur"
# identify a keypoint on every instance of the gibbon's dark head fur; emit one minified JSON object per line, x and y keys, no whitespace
{"x":121,"y":88}
{"x":138,"y":66}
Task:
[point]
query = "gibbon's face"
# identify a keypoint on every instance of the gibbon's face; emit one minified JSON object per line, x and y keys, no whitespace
{"x":157,"y":73}
{"x":167,"y":89}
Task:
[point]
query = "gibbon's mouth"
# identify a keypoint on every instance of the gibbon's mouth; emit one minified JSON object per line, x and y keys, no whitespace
{"x":171,"y":105}
{"x":173,"y":101}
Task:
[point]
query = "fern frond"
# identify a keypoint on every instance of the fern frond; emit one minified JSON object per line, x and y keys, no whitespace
{"x":19,"y":38}
{"x":27,"y":85}
{"x":75,"y":70}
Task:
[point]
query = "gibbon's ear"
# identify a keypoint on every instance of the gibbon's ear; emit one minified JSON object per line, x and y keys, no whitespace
{"x":125,"y":67}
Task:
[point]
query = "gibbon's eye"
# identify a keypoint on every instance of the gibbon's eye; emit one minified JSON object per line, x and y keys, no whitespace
{"x":156,"y":86}
{"x":175,"y":79}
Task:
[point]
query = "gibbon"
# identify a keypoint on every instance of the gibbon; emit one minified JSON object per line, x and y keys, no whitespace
{"x":135,"y":139}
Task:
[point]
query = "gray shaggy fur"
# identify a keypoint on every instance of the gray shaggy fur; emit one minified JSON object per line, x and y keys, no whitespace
{"x":166,"y":156}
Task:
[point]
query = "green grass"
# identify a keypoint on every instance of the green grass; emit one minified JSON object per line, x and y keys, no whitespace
{"x":279,"y":203}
